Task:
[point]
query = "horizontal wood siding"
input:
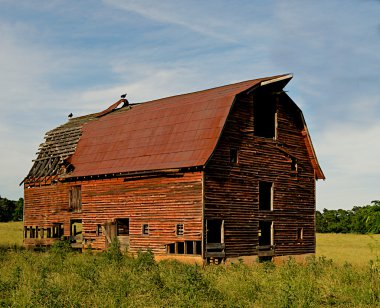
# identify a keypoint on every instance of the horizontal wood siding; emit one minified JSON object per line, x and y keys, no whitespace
{"x":161,"y":202}
{"x":45,"y":206}
{"x":232,"y":190}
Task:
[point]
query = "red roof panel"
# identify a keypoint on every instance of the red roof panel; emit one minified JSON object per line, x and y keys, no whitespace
{"x":173,"y":132}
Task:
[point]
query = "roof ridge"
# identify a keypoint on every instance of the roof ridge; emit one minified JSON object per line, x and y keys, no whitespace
{"x":213,"y":88}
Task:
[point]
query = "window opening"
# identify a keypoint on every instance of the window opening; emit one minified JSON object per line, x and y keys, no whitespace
{"x":48,"y":232}
{"x":99,"y":230}
{"x":234,"y":157}
{"x":145,"y":229}
{"x":181,"y":248}
{"x":179,"y":229}
{"x":266,"y":196}
{"x":171,"y":248}
{"x":265,"y":118}
{"x":299,"y":234}
{"x":265,"y":233}
{"x":214,"y":231}
{"x":122,"y":226}
{"x":189,"y":247}
{"x":75,"y":198}
{"x":293,"y":164}
{"x":198,"y":247}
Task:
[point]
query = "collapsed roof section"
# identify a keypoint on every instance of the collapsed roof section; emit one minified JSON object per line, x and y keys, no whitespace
{"x":60,"y":144}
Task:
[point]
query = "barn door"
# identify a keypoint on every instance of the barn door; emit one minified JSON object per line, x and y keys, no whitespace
{"x":109,"y":231}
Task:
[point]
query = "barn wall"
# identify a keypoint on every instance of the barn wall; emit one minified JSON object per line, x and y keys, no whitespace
{"x":232,"y":190}
{"x":45,"y":206}
{"x":161,"y":202}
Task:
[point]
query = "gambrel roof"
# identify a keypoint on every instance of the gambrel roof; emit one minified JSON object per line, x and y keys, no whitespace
{"x":174,"y":132}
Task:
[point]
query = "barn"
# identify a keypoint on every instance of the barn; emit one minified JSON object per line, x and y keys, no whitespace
{"x":218,"y":174}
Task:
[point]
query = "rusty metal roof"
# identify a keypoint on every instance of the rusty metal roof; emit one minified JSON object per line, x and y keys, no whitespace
{"x":173,"y":132}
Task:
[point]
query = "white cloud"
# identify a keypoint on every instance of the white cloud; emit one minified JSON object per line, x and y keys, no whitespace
{"x":351,"y":149}
{"x":349,"y":155}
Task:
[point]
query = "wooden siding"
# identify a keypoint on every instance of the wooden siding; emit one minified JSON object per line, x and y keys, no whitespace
{"x":232,"y":190}
{"x":161,"y":202}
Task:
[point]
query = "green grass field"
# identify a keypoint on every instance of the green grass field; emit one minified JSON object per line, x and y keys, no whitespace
{"x":11,"y":233}
{"x":61,"y":278}
{"x":356,"y":249}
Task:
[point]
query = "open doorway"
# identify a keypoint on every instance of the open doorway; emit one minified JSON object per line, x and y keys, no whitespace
{"x":215,"y":247}
{"x":266,"y":248}
{"x":76,"y":234}
{"x":122,"y":232}
{"x":265,"y":233}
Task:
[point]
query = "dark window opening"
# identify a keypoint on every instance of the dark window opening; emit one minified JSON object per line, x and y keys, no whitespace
{"x":189,"y":247}
{"x":179,"y":229}
{"x":265,"y":116}
{"x":145,"y":229}
{"x":293,"y":164}
{"x":181,"y":248}
{"x":99,"y":230}
{"x":48,"y":232}
{"x":57,"y":230}
{"x":198,"y":247}
{"x":234,"y":157}
{"x":186,"y":247}
{"x":171,"y":248}
{"x":266,"y":196}
{"x":265,"y":233}
{"x":31,"y":232}
{"x":75,"y":199}
{"x":122,"y":226}
{"x":214,"y":231}
{"x":299,"y":234}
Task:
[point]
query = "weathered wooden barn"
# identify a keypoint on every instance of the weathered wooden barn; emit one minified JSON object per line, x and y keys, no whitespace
{"x":221,"y":173}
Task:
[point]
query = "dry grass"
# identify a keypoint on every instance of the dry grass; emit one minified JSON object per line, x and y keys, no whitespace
{"x":11,"y":233}
{"x":356,"y":249}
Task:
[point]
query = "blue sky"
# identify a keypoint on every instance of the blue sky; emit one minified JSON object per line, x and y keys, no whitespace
{"x":58,"y":57}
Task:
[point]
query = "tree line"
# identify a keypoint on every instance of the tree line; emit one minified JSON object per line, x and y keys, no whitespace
{"x":11,"y":210}
{"x":361,"y":219}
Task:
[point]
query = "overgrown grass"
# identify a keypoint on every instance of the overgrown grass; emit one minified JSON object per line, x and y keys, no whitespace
{"x":68,"y":279}
{"x":62,"y":278}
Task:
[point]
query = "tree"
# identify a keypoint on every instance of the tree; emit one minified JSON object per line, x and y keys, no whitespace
{"x":19,"y":210}
{"x":7,"y":208}
{"x":361,"y":219}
